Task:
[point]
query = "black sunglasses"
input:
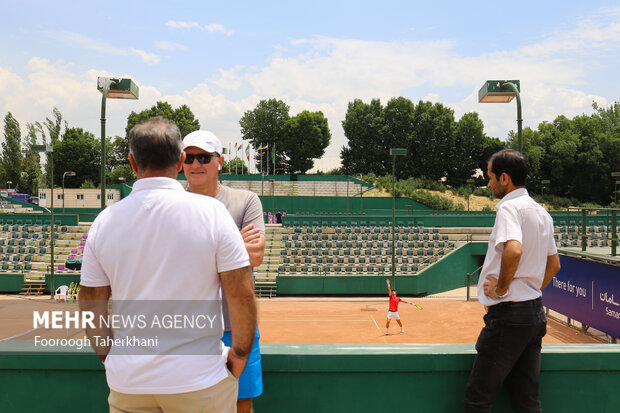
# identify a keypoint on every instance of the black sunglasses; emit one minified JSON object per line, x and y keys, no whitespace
{"x":203,"y":158}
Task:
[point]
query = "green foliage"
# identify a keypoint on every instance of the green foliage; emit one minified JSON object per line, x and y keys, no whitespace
{"x":437,"y":146}
{"x":78,"y":151}
{"x":122,"y":171}
{"x":305,"y":137}
{"x":32,"y":174}
{"x":235,"y":166}
{"x":293,"y":141}
{"x":182,"y":116}
{"x":264,"y":125}
{"x":370,"y":178}
{"x":54,"y":130}
{"x":12,"y":157}
{"x":487,"y":208}
{"x":88,"y":184}
{"x":484,"y":192}
{"x":434,"y":201}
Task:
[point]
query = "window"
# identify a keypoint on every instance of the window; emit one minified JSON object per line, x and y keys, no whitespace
{"x":111,"y":197}
{"x":42,"y":195}
{"x":59,"y":196}
{"x":80,"y":196}
{"x":98,"y":197}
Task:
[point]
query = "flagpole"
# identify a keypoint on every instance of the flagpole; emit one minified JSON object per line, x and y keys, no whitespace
{"x":229,"y":156}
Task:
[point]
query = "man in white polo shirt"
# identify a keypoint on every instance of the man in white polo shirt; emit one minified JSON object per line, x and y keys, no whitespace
{"x":166,"y":252}
{"x":521,"y":260}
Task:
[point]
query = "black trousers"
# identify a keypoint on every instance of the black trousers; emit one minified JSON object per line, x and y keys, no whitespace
{"x":508,"y":351}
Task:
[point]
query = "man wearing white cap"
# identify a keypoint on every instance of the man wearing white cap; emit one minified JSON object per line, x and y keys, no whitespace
{"x":202,"y":165}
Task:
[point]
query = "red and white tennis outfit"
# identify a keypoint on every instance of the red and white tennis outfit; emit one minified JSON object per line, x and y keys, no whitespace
{"x":393,"y":310}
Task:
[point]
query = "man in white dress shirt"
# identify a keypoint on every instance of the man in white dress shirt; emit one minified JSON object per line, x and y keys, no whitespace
{"x":521,"y":260}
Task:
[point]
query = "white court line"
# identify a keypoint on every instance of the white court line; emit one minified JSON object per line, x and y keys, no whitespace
{"x":315,"y":321}
{"x":21,"y":334}
{"x":375,"y":321}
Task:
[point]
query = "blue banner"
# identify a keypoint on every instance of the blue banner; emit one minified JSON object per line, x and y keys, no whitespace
{"x":587,"y":291}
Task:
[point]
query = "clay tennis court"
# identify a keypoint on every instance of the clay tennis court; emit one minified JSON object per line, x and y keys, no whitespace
{"x":443,"y":319}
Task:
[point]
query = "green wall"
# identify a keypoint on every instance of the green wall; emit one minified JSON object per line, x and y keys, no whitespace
{"x":14,"y":282}
{"x":448,"y":273}
{"x":329,"y":378}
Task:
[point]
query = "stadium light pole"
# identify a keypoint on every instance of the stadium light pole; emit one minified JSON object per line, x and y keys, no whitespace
{"x":50,"y":149}
{"x":503,"y":91}
{"x":9,"y":183}
{"x":359,"y":176}
{"x":348,"y":182}
{"x":544,"y":183}
{"x":394,"y":152}
{"x":67,"y":173}
{"x":470,"y":182}
{"x":273,"y":182}
{"x":113,"y":88}
{"x":613,"y":175}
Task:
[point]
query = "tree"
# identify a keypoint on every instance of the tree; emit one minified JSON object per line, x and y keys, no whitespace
{"x":12,"y":157}
{"x":264,"y":125}
{"x":305,"y":138}
{"x":398,"y":132}
{"x":467,"y":150}
{"x":54,"y":129}
{"x":32,"y":160}
{"x":77,"y":151}
{"x":182,"y":116}
{"x":364,"y":126}
{"x":432,"y":143}
{"x":122,"y":171}
{"x":236,"y":165}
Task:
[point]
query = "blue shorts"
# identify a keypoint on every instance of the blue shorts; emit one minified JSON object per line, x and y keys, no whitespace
{"x":251,"y":380}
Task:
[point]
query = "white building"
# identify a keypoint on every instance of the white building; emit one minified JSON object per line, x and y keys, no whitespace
{"x":77,"y":197}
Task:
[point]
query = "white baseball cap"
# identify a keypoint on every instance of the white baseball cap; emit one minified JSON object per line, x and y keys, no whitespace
{"x":203,"y":139}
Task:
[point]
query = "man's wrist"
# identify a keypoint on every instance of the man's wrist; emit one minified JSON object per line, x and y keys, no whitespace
{"x":498,"y":295}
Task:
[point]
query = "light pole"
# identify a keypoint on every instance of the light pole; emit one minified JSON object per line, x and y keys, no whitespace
{"x":113,"y":89}
{"x":67,"y":173}
{"x":359,"y":176}
{"x":394,"y":152}
{"x":544,"y":182}
{"x":9,"y":183}
{"x":50,"y":149}
{"x":503,"y":91}
{"x":616,"y":183}
{"x":348,"y":182}
{"x":469,"y":184}
{"x":273,"y":182}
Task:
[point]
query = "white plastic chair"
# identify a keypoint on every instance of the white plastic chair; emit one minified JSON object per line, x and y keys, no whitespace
{"x":61,"y":293}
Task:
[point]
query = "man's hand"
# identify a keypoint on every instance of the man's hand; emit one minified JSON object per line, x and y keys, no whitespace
{"x":388,"y":282}
{"x":236,"y":363}
{"x":489,"y":286}
{"x":250,"y":234}
{"x":254,"y":244}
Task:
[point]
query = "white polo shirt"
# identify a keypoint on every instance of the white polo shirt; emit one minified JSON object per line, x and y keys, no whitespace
{"x":163,"y":243}
{"x":522,"y":219}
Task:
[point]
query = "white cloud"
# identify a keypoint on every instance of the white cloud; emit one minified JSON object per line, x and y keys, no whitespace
{"x":182,"y":25}
{"x":211,"y":28}
{"x":229,"y":79}
{"x":601,"y":31}
{"x":215,"y":27}
{"x":171,"y":46}
{"x":84,"y":42}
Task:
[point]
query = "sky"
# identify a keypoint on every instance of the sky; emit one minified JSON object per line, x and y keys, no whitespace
{"x":222,"y":58}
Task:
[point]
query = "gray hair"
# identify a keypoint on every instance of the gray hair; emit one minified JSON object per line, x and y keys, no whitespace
{"x":155,"y":144}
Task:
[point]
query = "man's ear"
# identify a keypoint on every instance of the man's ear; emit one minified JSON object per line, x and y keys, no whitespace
{"x":134,"y":165}
{"x":181,"y":162}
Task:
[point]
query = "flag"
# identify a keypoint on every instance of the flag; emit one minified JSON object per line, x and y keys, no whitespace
{"x":240,"y":146}
{"x":247,"y":152}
